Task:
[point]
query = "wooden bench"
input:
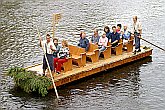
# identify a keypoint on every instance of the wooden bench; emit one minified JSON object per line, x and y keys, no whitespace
{"x":118,"y":49}
{"x":93,"y":53}
{"x":78,"y":55}
{"x":107,"y":52}
{"x":129,"y":45}
{"x":67,"y":66}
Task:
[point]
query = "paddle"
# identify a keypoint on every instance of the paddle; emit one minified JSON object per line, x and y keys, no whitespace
{"x":48,"y":66}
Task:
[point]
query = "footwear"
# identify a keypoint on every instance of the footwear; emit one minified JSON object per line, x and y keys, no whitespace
{"x":139,"y":50}
{"x":134,"y":52}
{"x":144,"y":47}
{"x":58,"y":72}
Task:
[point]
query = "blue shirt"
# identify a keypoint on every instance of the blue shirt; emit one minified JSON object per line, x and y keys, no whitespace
{"x":108,"y":34}
{"x":114,"y":36}
{"x":126,"y":35}
{"x":84,"y":43}
{"x":95,"y":39}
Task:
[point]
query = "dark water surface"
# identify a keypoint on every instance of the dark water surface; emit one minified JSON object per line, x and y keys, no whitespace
{"x":137,"y":86}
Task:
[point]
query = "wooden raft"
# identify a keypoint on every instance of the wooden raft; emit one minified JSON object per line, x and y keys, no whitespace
{"x":93,"y":68}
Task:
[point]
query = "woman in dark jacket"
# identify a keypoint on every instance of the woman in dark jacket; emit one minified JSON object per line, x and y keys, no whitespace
{"x":107,"y":31}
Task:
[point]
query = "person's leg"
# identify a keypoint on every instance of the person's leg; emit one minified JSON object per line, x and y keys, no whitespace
{"x":55,"y":62}
{"x":44,"y":65}
{"x":51,"y":62}
{"x":101,"y":49}
{"x":138,"y":42}
{"x":59,"y":64}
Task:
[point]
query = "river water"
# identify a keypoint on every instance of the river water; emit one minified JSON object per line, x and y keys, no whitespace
{"x":136,"y":86}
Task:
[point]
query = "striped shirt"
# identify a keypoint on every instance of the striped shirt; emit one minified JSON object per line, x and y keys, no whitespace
{"x":63,"y":52}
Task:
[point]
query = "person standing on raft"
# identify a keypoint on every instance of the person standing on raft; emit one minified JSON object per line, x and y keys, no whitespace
{"x":48,"y":47}
{"x":136,"y":31}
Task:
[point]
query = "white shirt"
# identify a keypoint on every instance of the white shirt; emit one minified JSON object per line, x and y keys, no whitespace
{"x":46,"y":46}
{"x":136,"y":27}
{"x":103,"y":41}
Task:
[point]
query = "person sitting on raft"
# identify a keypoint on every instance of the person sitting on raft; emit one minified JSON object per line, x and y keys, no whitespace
{"x":55,"y":40}
{"x":63,"y":54}
{"x":107,"y":31}
{"x":95,"y":38}
{"x":118,"y":30}
{"x":103,"y":41}
{"x":83,"y":42}
{"x":125,"y":35}
{"x":114,"y":37}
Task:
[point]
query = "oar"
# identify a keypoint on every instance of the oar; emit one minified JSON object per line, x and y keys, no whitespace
{"x":152,"y":44}
{"x":48,"y":66}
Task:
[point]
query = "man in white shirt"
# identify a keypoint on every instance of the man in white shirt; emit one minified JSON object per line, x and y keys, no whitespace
{"x":137,"y":31}
{"x":48,"y":47}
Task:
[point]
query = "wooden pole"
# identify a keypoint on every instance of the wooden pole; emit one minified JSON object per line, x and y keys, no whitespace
{"x":150,"y":42}
{"x":153,"y":44}
{"x":48,"y":66}
{"x":53,"y":23}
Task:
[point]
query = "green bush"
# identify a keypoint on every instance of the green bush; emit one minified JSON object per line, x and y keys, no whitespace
{"x":29,"y":81}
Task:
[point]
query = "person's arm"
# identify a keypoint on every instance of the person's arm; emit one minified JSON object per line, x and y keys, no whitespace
{"x":99,"y":43}
{"x":91,"y":41}
{"x":52,"y":47}
{"x":40,"y":41}
{"x":117,"y":39}
{"x":98,"y":38}
{"x":140,"y":29}
{"x":108,"y":35}
{"x":114,"y":42}
{"x":106,"y":42}
{"x":87,"y":45}
{"x":79,"y":43}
